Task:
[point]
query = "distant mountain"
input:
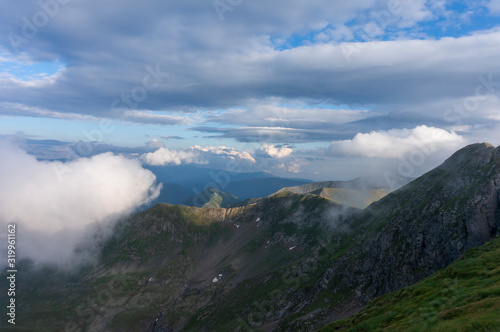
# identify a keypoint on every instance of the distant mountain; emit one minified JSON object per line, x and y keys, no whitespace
{"x":191,"y":175}
{"x":355,"y":198}
{"x":357,"y":193}
{"x":359,"y":184}
{"x":187,"y":180}
{"x":252,"y":188}
{"x":173,"y":193}
{"x":211,"y":198}
{"x":291,"y":262}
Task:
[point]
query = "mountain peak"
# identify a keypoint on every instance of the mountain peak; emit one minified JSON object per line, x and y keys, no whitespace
{"x":473,"y":155}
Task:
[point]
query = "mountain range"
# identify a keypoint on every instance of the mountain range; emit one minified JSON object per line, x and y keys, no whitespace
{"x":422,"y":257}
{"x":181,"y":184}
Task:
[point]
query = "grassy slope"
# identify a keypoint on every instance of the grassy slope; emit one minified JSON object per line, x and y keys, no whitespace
{"x":465,"y":296}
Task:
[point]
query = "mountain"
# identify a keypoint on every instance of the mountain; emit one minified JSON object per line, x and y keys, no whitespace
{"x":190,"y":175}
{"x":462,"y":296}
{"x":388,"y":183}
{"x":181,"y":182}
{"x":357,"y":193}
{"x":173,"y":261}
{"x":253,"y":188}
{"x":289,"y":262}
{"x":212,"y":198}
{"x":355,"y":198}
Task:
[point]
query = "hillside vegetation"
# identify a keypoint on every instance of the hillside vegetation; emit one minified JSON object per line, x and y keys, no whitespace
{"x":464,"y":296}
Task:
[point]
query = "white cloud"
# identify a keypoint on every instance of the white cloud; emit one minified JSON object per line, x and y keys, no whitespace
{"x":164,"y":156}
{"x":276,"y":152}
{"x":151,"y":117}
{"x":397,"y":142}
{"x":294,"y":167}
{"x":154,"y":144}
{"x":271,"y":114}
{"x":224,"y":152}
{"x":212,"y":155}
{"x":494,"y":7}
{"x":412,"y":12}
{"x":56,"y":204}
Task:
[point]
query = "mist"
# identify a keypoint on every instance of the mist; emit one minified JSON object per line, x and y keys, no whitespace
{"x":58,"y":207}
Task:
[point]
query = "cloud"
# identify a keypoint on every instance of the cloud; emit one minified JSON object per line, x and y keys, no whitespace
{"x":208,"y":64}
{"x":275,"y":134}
{"x":294,"y":167}
{"x":57,"y":205}
{"x":154,"y":144}
{"x":164,"y":156}
{"x":494,"y":6}
{"x":213,"y":155}
{"x":397,"y":142}
{"x":171,"y":137}
{"x":270,"y":150}
{"x":224,"y":152}
{"x":300,"y":116}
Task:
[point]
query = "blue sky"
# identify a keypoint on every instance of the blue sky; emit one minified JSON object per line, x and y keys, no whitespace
{"x":300,"y":89}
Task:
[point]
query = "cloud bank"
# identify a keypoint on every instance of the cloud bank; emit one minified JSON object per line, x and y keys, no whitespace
{"x":397,"y":142}
{"x":197,"y":155}
{"x":57,"y":205}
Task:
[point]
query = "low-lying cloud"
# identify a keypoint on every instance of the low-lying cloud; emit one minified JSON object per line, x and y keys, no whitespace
{"x":212,"y":155}
{"x":58,"y":205}
{"x":271,"y":150}
{"x":397,"y":142}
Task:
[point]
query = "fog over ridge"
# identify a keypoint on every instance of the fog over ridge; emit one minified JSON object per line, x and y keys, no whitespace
{"x":56,"y":205}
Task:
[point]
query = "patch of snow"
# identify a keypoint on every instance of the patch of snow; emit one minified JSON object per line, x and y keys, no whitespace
{"x":291,"y":248}
{"x":215,"y":279}
{"x":258,"y":219}
{"x":150,"y":279}
{"x":220,"y":275}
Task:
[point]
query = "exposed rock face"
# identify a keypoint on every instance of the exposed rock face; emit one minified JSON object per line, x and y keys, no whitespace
{"x":422,"y":227}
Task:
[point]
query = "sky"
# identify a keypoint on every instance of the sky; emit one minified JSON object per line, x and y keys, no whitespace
{"x":310,"y":89}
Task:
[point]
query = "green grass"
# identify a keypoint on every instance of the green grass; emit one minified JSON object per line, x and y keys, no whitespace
{"x":462,"y":297}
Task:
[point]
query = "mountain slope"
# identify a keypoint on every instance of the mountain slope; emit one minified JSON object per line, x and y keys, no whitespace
{"x":165,"y":260}
{"x":357,"y":193}
{"x":423,"y":226}
{"x":289,"y":262}
{"x":462,"y":296}
{"x":212,"y":198}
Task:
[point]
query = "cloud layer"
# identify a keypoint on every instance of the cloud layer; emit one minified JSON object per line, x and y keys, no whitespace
{"x":190,"y":60}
